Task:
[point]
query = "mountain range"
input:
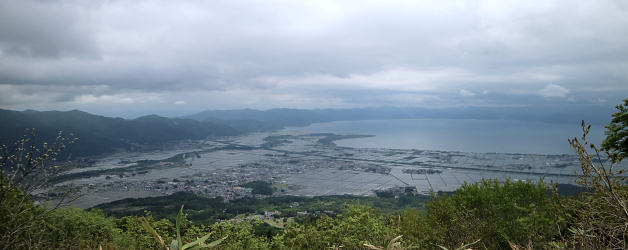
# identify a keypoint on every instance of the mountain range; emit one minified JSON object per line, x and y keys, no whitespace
{"x":99,"y":134}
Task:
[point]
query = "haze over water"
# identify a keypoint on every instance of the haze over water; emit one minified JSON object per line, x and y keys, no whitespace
{"x":466,"y":135}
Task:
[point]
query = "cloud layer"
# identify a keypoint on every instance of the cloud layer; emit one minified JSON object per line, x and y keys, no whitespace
{"x":171,"y":57}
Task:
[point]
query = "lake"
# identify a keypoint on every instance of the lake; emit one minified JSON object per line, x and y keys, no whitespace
{"x":466,"y":135}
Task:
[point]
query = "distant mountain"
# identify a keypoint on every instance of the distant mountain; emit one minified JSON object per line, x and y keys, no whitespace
{"x":271,"y":118}
{"x":277,"y":118}
{"x":245,"y":126}
{"x":259,"y":120}
{"x":99,"y":134}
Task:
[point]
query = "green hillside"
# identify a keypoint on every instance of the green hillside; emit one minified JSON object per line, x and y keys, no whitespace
{"x":100,"y":134}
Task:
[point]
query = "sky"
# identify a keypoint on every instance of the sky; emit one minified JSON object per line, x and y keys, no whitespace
{"x":129,"y":58}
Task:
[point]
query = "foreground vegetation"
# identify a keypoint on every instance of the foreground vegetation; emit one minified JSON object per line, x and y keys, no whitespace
{"x":516,"y":212}
{"x":497,"y":214}
{"x":485,"y":215}
{"x":203,"y":210}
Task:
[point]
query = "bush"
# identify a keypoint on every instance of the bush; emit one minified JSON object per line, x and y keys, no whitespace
{"x":75,"y":228}
{"x":356,"y":226}
{"x":260,"y":187}
{"x":496,"y":213}
{"x":21,"y":221}
{"x":600,"y":216}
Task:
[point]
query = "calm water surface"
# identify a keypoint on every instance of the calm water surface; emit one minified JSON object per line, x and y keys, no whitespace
{"x":467,"y":135}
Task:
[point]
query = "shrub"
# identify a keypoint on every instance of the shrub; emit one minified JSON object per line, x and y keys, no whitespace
{"x":599,"y":216}
{"x":496,"y":213}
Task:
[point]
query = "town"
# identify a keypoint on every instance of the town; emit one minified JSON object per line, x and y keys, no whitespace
{"x":298,"y":164}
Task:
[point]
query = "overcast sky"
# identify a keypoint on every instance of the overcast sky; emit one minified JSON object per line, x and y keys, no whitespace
{"x":127,"y":58}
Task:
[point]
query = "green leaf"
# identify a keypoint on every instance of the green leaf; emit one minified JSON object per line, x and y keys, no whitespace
{"x":442,"y":247}
{"x":393,"y":242}
{"x":216,"y":242}
{"x":197,"y":242}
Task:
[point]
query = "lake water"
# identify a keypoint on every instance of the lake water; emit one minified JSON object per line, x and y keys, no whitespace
{"x":466,"y":135}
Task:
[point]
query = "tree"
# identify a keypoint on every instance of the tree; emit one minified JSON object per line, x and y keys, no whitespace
{"x":497,"y":213}
{"x":617,"y":133}
{"x":25,"y":166}
{"x":260,"y":187}
{"x":600,"y":216}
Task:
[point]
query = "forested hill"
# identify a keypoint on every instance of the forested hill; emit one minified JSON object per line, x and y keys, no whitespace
{"x":100,"y":134}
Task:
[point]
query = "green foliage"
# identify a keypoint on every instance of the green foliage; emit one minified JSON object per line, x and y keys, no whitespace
{"x":240,"y":236}
{"x":600,"y":216}
{"x":496,"y":213}
{"x":177,"y":243}
{"x":518,"y":212}
{"x":617,"y":132}
{"x":132,"y":227}
{"x":74,"y":228}
{"x":26,"y":164}
{"x":203,"y":210}
{"x":20,"y":219}
{"x":392,"y":245}
{"x":260,"y":187}
{"x":461,"y":247}
{"x":356,"y":226}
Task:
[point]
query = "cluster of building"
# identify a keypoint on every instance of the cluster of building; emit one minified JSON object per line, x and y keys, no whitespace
{"x":221,"y":171}
{"x":227,"y":182}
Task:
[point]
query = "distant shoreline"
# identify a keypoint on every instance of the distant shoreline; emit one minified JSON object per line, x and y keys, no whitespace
{"x":331,"y":138}
{"x":462,"y":135}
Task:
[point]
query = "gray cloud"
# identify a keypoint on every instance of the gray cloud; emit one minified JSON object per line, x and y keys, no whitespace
{"x":44,"y":30}
{"x":236,"y":54}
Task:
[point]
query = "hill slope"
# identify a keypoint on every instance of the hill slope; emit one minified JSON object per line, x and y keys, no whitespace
{"x":99,"y":134}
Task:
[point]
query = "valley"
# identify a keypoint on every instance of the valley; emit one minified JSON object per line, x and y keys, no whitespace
{"x":296,"y":164}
